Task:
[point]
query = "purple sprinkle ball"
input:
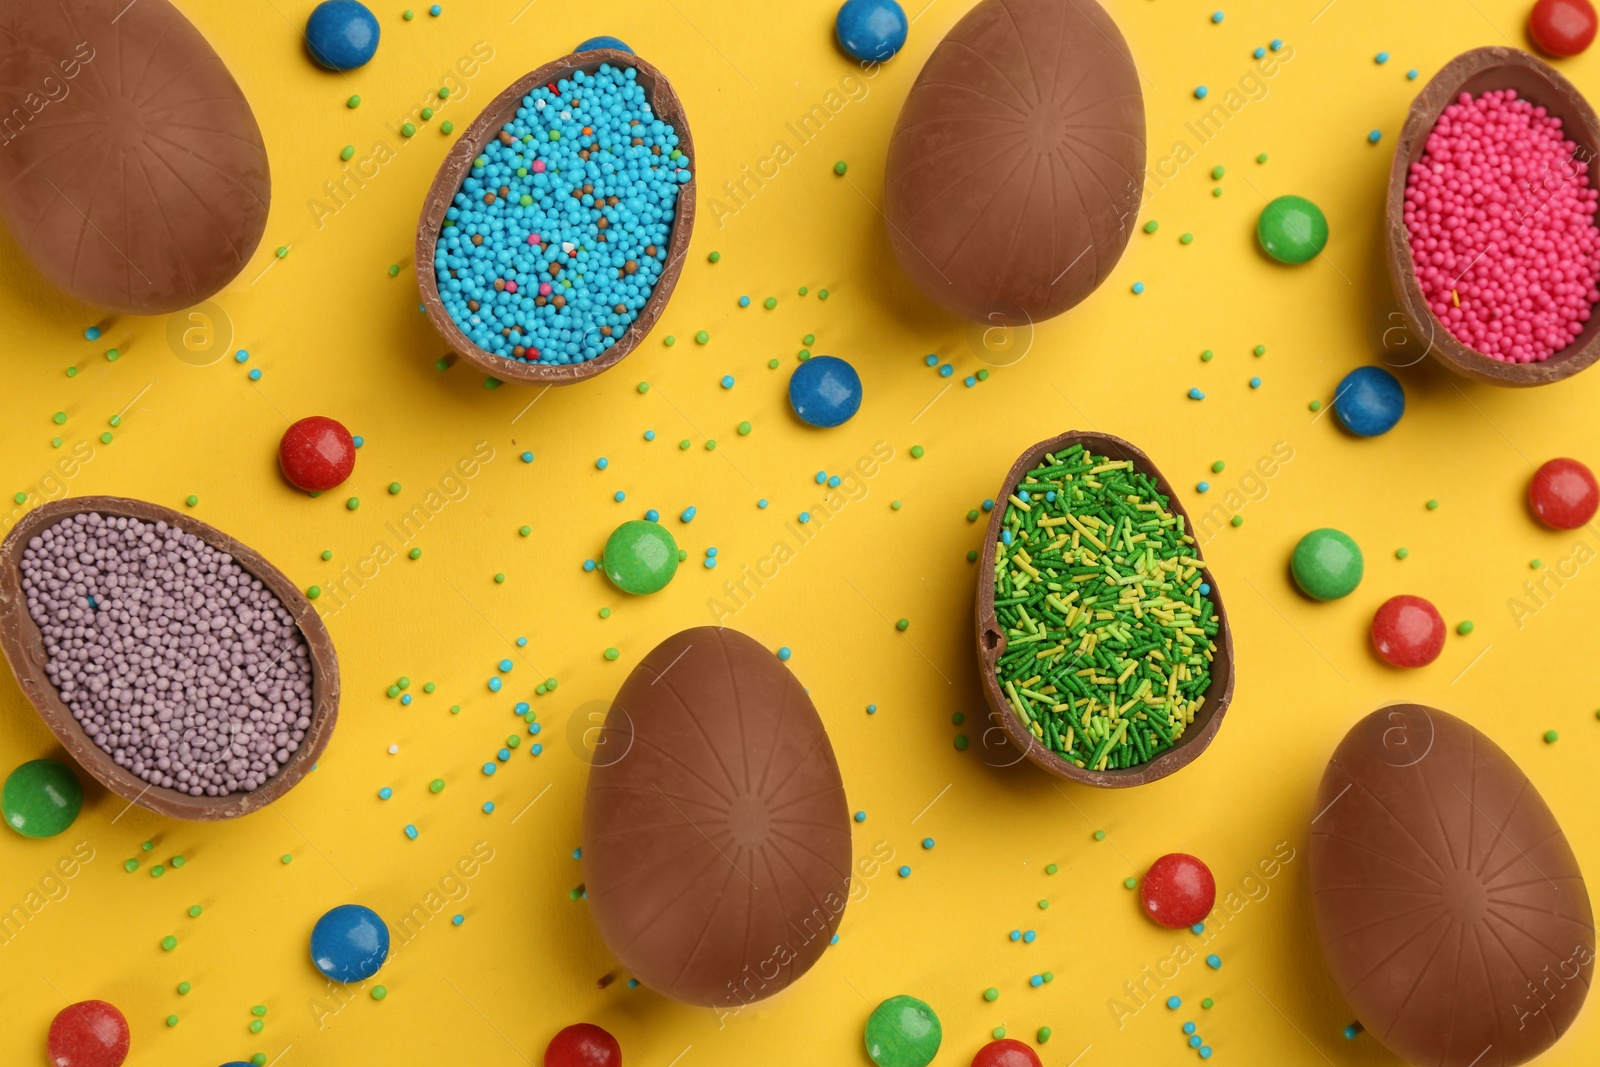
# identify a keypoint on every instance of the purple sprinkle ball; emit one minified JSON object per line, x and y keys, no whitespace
{"x":176,"y":660}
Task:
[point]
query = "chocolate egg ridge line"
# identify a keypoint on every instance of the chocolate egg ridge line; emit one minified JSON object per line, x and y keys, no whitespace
{"x":24,"y":649}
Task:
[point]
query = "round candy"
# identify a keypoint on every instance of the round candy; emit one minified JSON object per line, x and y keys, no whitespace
{"x":1561,"y":27}
{"x":603,"y":41}
{"x":349,"y":943}
{"x":1292,"y":229}
{"x":316,"y":454}
{"x":871,"y":30}
{"x":1326,"y":564}
{"x":1007,"y":1052}
{"x":1563,"y":494}
{"x":640,"y":557}
{"x":341,"y":34}
{"x":903,"y":1032}
{"x":90,"y":1033}
{"x":1178,"y":891}
{"x":583,"y":1045}
{"x":41,"y":798}
{"x":1407,"y":631}
{"x":825,"y":391}
{"x":1369,"y":401}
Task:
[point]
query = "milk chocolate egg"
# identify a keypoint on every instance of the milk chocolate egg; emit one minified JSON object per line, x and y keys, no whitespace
{"x":132,"y":172}
{"x":716,"y":838}
{"x":1016,"y":168}
{"x":1451,"y":909}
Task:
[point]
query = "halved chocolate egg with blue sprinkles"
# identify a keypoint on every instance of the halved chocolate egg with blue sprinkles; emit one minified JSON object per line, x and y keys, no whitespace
{"x":537,"y":264}
{"x":1017,"y":165}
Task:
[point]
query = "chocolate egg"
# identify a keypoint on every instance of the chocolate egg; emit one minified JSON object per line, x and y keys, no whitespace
{"x":132,"y":172}
{"x":1016,"y":168}
{"x":716,"y":838}
{"x":1451,"y":909}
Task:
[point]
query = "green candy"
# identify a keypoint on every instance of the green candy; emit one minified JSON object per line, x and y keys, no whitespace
{"x":1292,"y":229}
{"x":41,"y":798}
{"x":640,"y":557}
{"x":1326,"y":564}
{"x":903,"y":1032}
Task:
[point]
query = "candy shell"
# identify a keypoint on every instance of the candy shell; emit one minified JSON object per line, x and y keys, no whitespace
{"x":349,"y":943}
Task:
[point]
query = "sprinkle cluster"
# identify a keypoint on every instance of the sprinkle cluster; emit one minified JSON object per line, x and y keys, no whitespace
{"x":557,"y":238}
{"x":1503,"y":236}
{"x":175,"y":659}
{"x":1106,"y":613}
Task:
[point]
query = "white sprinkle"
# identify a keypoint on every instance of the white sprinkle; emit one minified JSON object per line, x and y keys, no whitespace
{"x":568,"y":247}
{"x":567,"y":115}
{"x":393,"y":749}
{"x":539,"y":104}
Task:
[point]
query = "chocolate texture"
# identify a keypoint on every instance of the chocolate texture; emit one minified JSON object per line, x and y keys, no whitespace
{"x":1017,"y":165}
{"x":132,"y":172}
{"x":1450,"y":907}
{"x":716,"y":837}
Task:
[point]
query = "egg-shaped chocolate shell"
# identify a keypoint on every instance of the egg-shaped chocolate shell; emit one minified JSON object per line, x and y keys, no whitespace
{"x":716,"y":837}
{"x":1450,"y":907}
{"x":1017,"y":165}
{"x":132,"y":172}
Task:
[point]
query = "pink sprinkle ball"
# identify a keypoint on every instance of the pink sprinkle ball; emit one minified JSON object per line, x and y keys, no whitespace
{"x":1502,"y":225}
{"x":538,"y":166}
{"x":544,"y":289}
{"x":511,"y":286}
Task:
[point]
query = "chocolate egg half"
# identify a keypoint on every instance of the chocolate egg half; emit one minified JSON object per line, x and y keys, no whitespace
{"x":132,"y":172}
{"x":1016,"y":169}
{"x":1451,"y":909}
{"x":716,"y":838}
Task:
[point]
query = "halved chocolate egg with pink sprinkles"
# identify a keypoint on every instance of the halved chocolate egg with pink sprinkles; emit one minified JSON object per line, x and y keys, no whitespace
{"x":1494,"y":250}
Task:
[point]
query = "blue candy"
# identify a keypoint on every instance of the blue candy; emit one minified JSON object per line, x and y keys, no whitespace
{"x":603,"y":41}
{"x":342,"y":34}
{"x":871,"y":30}
{"x":1369,"y":401}
{"x":825,"y":391}
{"x":349,"y":943}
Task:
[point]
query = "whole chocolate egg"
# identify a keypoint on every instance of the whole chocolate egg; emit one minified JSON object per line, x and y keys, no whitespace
{"x":132,"y":172}
{"x":1451,"y":909}
{"x":716,"y":838}
{"x":1016,"y":168}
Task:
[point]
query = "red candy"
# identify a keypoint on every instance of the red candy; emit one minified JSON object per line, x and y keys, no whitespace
{"x":1408,"y":631}
{"x":1006,"y":1053}
{"x":90,"y":1033}
{"x":1178,"y":890}
{"x":316,"y":454}
{"x":1561,"y":27}
{"x":1563,"y":494}
{"x":583,"y":1045}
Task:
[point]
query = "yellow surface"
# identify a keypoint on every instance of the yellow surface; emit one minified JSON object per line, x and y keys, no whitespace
{"x":335,"y":335}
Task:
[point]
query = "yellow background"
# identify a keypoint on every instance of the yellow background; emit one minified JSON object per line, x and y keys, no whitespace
{"x":335,"y":335}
